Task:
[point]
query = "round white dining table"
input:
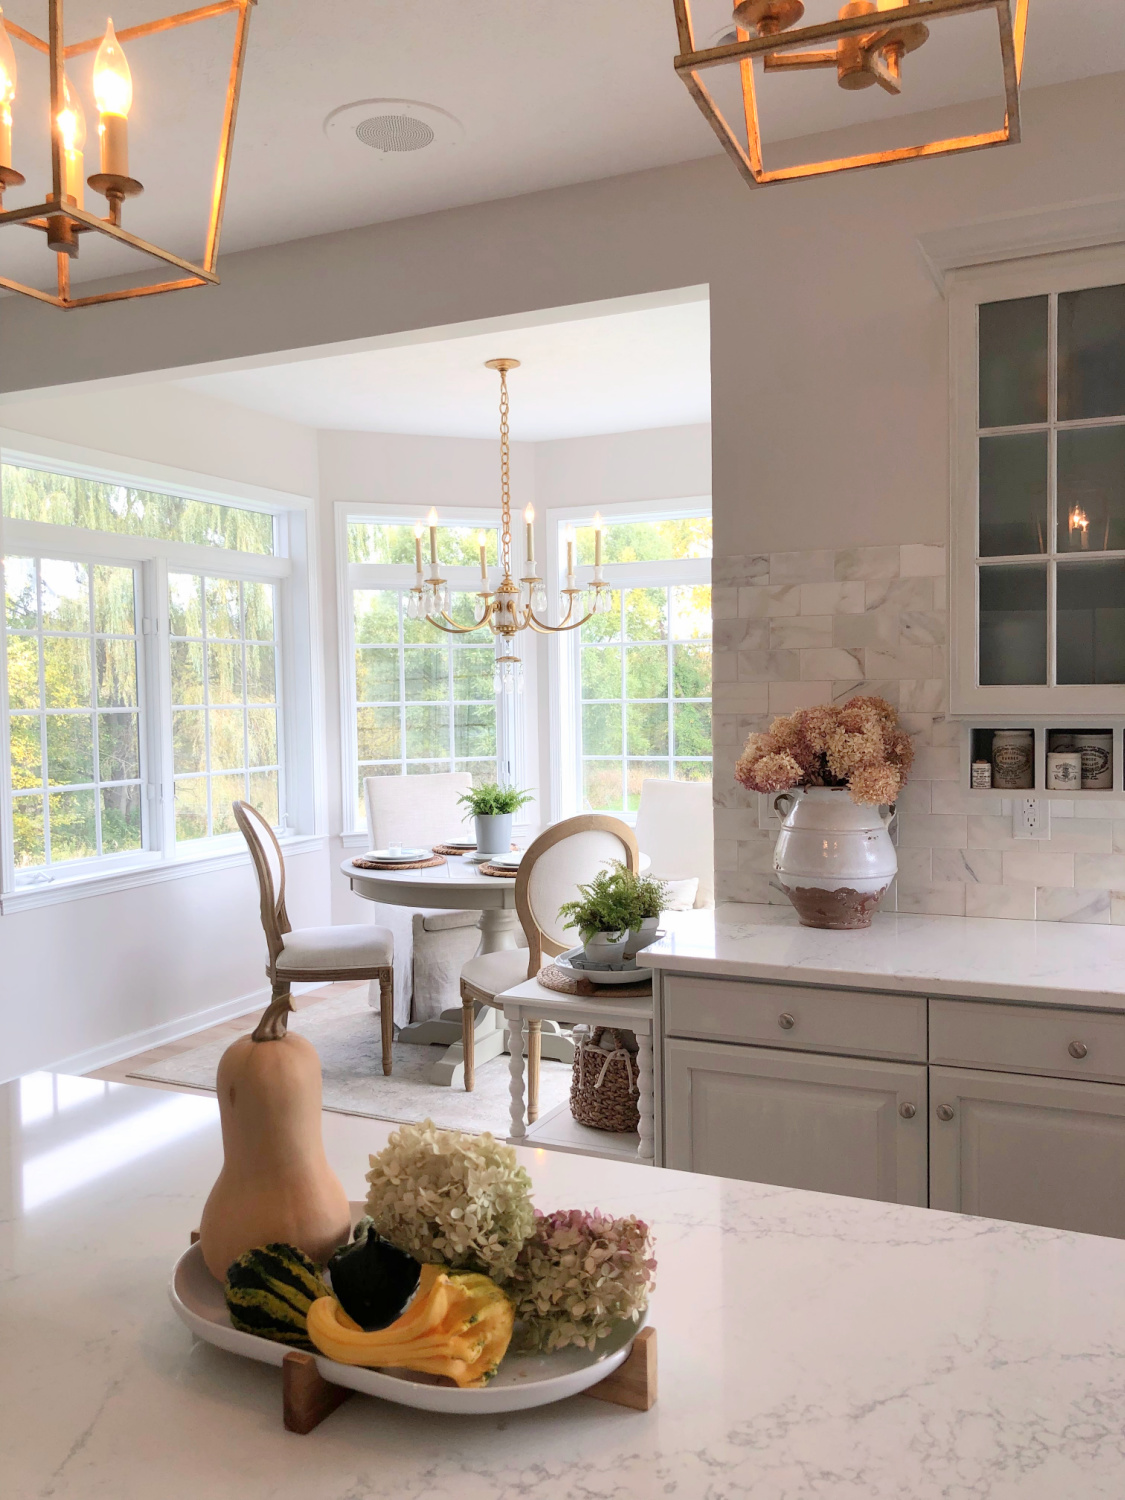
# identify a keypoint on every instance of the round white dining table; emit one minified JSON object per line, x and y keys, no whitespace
{"x":456,"y":885}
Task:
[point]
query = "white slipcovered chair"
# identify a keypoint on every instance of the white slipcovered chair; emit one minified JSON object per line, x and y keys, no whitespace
{"x":311,"y":954}
{"x":562,"y":857}
{"x":676,"y":829}
{"x":430,"y":945}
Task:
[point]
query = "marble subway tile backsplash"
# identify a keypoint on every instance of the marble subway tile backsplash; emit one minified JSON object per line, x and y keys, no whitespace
{"x":793,"y":629}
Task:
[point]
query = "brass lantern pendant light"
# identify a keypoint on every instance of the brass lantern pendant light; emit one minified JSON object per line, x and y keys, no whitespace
{"x":513,"y":605}
{"x":62,"y":217}
{"x":865,"y":45}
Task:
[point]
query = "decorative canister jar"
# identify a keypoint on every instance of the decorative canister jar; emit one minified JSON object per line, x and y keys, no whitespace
{"x":1013,"y":759}
{"x":834,"y":858}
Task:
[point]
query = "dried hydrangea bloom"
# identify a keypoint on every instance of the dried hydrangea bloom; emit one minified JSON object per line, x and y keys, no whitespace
{"x":875,"y":785}
{"x":579,"y":1275}
{"x":441,"y":1195}
{"x":851,"y":749}
{"x":874,"y":705}
{"x":769,"y":773}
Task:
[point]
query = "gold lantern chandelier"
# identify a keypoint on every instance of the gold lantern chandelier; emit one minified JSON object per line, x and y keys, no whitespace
{"x":62,"y":216}
{"x":513,"y":605}
{"x":865,"y":45}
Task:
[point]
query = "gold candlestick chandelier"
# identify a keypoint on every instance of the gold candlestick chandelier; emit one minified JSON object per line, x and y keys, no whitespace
{"x":512,"y":606}
{"x":62,"y":215}
{"x":865,"y":45}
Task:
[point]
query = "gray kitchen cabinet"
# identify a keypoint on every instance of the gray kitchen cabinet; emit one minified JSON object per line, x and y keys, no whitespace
{"x":829,"y":1124}
{"x":1035,"y":1150}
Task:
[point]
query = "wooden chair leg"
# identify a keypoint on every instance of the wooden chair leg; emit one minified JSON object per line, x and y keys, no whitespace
{"x":534,"y":1054}
{"x":468,"y":1039}
{"x":387,"y":1017}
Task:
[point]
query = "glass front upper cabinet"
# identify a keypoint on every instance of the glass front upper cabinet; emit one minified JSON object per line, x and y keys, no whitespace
{"x":1039,"y":565}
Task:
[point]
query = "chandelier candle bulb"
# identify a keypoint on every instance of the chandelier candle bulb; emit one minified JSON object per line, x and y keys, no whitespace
{"x":432,"y":522}
{"x":7,"y":94}
{"x":113,"y":90}
{"x":570,"y":557}
{"x":483,"y":562}
{"x":418,"y":549}
{"x":529,"y":522}
{"x":72,"y":129}
{"x":598,"y":529}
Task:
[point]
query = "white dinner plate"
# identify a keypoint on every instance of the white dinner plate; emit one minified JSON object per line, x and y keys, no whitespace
{"x":507,"y":861}
{"x":402,"y":857}
{"x":460,"y":843}
{"x":522,"y":1381}
{"x":627,"y":973}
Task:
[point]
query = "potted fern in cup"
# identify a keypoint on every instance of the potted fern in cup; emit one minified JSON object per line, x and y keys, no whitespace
{"x":649,"y":896}
{"x":603,"y":914}
{"x":491,"y":807}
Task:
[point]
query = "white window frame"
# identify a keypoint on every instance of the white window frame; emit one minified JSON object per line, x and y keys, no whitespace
{"x":512,"y":715}
{"x":563,"y":674}
{"x":300,"y":684}
{"x":1065,"y":703}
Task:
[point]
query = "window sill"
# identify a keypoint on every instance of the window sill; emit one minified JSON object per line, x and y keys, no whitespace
{"x":147,"y":872}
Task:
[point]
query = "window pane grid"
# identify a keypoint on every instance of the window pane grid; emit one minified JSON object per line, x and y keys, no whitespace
{"x":424,"y":701}
{"x":1062,"y":516}
{"x":75,"y":763}
{"x":225,"y":722}
{"x":645,"y":694}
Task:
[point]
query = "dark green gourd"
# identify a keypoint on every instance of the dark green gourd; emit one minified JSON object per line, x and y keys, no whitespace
{"x":269,"y":1292}
{"x":372,"y":1280}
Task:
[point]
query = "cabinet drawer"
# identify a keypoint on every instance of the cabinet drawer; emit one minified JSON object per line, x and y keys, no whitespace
{"x":1028,"y":1039}
{"x":860,"y":1023}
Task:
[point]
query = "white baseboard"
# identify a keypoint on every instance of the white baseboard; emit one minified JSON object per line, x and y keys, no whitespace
{"x":153,"y":1036}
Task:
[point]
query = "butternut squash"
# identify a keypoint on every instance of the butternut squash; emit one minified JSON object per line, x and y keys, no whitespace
{"x":275,"y":1184}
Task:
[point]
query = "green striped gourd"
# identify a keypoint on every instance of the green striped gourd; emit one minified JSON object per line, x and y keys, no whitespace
{"x":269,"y":1291}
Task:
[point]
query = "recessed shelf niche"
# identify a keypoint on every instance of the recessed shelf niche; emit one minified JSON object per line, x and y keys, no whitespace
{"x":1100,"y":745}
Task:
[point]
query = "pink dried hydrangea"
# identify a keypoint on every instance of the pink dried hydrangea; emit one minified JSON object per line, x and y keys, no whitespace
{"x":579,"y":1275}
{"x":858,"y":744}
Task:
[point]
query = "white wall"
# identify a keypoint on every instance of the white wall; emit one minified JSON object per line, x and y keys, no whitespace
{"x":86,"y":981}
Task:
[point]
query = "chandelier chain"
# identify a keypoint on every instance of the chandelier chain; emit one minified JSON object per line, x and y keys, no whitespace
{"x":505,"y":479}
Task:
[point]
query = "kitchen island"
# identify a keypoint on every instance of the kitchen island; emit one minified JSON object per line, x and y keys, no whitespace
{"x":810,"y":1345}
{"x":968,"y":1064}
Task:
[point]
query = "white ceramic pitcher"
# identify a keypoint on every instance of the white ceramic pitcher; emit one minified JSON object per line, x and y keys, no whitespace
{"x":834,"y":858}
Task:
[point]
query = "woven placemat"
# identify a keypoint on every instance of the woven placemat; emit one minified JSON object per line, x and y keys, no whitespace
{"x":495,"y":870}
{"x":451,"y":849}
{"x":552,"y":978}
{"x":417,"y":864}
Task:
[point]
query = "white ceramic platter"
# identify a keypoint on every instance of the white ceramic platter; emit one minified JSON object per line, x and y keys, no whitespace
{"x":402,"y":856}
{"x":467,"y":844}
{"x":630,"y":975}
{"x":522,"y":1381}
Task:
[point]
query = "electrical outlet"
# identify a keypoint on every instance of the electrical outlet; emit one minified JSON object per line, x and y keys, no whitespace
{"x":1031,"y":818}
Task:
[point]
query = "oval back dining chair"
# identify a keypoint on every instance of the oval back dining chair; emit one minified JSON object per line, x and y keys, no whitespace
{"x":311,"y":954}
{"x":563,"y":856}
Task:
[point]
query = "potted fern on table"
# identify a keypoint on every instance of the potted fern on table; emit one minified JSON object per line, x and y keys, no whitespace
{"x":491,"y":807}
{"x":616,"y":914}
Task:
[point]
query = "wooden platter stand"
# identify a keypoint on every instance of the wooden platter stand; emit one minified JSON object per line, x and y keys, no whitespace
{"x":307,"y":1398}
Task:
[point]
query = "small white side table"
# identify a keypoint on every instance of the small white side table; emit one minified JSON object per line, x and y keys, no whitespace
{"x":559,"y":1130}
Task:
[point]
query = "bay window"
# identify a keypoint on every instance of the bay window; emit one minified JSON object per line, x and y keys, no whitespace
{"x":144,"y":644}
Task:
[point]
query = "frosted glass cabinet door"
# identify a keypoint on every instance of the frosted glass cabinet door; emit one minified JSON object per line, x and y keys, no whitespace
{"x":828,"y":1124}
{"x":1034,"y":1150}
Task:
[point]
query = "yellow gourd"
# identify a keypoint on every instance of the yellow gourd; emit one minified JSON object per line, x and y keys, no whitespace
{"x":458,"y":1325}
{"x":276,"y":1186}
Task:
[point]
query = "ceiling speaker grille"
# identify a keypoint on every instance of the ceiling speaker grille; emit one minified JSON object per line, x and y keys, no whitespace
{"x":394,"y":133}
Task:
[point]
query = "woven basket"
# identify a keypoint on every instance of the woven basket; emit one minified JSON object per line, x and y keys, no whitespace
{"x":603,"y":1089}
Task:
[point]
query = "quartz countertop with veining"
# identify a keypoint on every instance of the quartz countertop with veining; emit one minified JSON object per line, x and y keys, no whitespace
{"x":1042,"y":963}
{"x":811,"y":1347}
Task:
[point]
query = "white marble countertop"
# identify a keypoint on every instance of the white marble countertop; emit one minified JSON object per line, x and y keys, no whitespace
{"x":1040,"y":963}
{"x":811,"y":1348}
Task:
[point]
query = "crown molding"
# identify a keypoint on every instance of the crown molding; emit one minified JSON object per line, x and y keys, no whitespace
{"x":1039,"y":231}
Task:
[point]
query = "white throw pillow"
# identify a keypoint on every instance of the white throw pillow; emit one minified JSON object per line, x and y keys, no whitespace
{"x":681,"y":894}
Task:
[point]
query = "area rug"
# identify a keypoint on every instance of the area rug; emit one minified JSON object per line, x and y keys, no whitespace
{"x":345,"y":1032}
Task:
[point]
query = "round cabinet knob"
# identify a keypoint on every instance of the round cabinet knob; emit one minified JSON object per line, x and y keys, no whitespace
{"x":907,"y":1111}
{"x":1077,"y":1049}
{"x":945,"y":1111}
{"x":786,"y":1021}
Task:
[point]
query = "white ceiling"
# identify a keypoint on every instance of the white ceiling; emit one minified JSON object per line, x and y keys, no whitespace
{"x":616,"y":373}
{"x":547,"y":92}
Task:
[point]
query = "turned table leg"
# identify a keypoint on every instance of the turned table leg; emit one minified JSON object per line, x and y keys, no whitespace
{"x":534,"y":1053}
{"x":645,"y":1128}
{"x":515,"y":1068}
{"x":468,"y":1047}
